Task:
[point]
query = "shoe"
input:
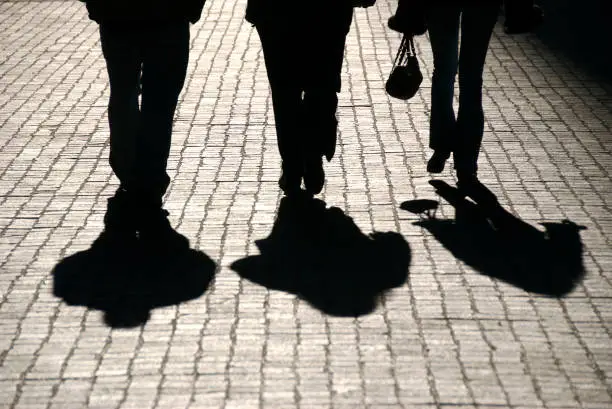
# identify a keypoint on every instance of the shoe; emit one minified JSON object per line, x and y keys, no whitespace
{"x":470,"y":186}
{"x":436,"y":163}
{"x":156,"y":234}
{"x":329,"y":138}
{"x":314,"y":176}
{"x":291,"y":180}
{"x":119,"y":220}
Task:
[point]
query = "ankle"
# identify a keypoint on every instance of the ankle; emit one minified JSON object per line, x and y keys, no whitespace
{"x":442,"y":152}
{"x":467,"y":177}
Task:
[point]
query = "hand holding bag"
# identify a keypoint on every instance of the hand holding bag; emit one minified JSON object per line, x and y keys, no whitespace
{"x":406,"y":77}
{"x":409,"y":18}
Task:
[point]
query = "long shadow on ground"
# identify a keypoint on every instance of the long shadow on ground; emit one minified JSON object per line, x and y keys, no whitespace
{"x":127,"y":281}
{"x":319,"y":254}
{"x":500,"y":245}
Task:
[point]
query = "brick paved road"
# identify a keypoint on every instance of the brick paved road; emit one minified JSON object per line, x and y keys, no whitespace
{"x":468,"y":320}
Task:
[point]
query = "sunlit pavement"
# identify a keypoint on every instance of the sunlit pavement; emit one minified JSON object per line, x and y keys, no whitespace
{"x":471,"y":316}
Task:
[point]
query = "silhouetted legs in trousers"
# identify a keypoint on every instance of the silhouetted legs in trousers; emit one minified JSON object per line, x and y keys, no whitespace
{"x":303,"y":60}
{"x":151,"y":59}
{"x":461,"y":135}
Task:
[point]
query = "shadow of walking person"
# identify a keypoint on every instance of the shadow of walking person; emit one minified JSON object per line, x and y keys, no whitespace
{"x":320,"y":255}
{"x":500,"y":245}
{"x":127,"y":280}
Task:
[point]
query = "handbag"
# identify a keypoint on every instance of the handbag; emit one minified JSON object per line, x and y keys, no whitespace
{"x":406,"y":76}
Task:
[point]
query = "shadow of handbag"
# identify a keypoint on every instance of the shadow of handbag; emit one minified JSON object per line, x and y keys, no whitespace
{"x":406,"y":77}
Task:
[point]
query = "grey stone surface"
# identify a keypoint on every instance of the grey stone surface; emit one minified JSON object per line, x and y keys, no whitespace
{"x":450,"y":336}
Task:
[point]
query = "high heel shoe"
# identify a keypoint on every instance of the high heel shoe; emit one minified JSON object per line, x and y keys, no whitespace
{"x":437,"y":161}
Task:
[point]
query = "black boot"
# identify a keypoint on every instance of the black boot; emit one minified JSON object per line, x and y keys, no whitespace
{"x":119,"y":219}
{"x":291,"y":178}
{"x":314,"y":176}
{"x":155,"y":233}
{"x":438,"y":160}
{"x":328,"y":133}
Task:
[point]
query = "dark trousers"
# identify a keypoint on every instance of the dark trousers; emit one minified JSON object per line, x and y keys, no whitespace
{"x":463,"y":134}
{"x":151,"y":57}
{"x":303,"y":57}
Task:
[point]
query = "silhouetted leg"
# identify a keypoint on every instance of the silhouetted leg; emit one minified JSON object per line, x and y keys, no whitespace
{"x":476,"y":28}
{"x":280,"y":46}
{"x":121,"y":49}
{"x":324,"y":55}
{"x":443,"y":25}
{"x":322,"y":58}
{"x":321,"y":125}
{"x":166,"y":55}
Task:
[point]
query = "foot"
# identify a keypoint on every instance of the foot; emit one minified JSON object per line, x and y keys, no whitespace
{"x":119,"y":225}
{"x":437,"y":161}
{"x":329,"y":138}
{"x":314,"y":176}
{"x":291,"y":180}
{"x":156,"y":233}
{"x":470,"y":186}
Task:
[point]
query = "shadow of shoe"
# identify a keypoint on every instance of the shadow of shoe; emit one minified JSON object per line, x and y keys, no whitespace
{"x":422,"y":207}
{"x":500,"y":245}
{"x":319,"y":254}
{"x":126,"y":281}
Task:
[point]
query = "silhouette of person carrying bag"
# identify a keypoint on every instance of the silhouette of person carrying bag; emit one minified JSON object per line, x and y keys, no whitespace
{"x":303,"y":44}
{"x":146,"y":46}
{"x":473,"y":21}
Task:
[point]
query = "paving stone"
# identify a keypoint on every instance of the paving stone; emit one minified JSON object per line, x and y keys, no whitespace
{"x":455,"y":332}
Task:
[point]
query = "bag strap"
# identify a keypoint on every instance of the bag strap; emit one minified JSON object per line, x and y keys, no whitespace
{"x":405,"y":51}
{"x":412,"y":47}
{"x":401,"y":52}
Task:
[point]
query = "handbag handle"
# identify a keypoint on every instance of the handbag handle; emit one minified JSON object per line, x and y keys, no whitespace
{"x":405,"y":50}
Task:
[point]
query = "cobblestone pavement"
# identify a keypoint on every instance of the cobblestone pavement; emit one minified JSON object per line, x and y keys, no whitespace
{"x":448,"y":314}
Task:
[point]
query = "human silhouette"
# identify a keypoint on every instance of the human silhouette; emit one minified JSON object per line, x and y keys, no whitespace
{"x":472,"y":21}
{"x":303,"y":44}
{"x":146,"y":47}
